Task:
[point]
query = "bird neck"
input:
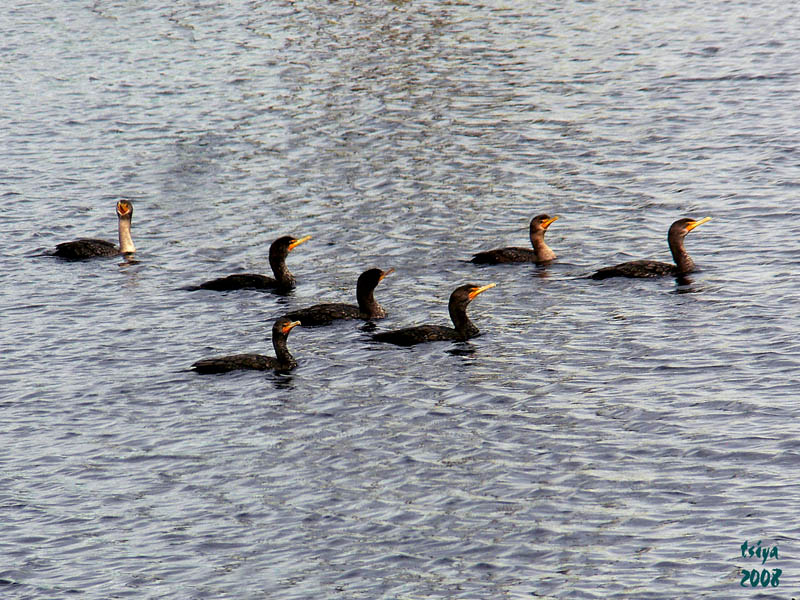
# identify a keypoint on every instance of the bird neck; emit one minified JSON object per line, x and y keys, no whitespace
{"x":285,"y":359}
{"x":679,"y":255}
{"x":464,"y":327}
{"x":280,"y":270}
{"x":368,"y":305}
{"x":125,"y":240}
{"x":542,"y":250}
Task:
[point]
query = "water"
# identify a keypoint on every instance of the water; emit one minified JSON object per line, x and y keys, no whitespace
{"x":600,"y":439}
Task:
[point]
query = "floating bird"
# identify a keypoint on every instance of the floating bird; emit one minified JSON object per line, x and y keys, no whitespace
{"x":90,"y":248}
{"x":541,"y":252}
{"x":368,"y":308}
{"x":464,"y":329}
{"x":283,"y":360}
{"x":651,"y":268}
{"x":282,"y":283}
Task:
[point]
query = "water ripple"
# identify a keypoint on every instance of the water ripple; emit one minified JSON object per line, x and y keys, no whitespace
{"x":617,"y":438}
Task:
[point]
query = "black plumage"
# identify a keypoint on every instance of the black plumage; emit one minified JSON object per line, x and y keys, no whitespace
{"x":651,"y":268}
{"x":283,"y":360}
{"x":283,"y":281}
{"x":539,"y":252}
{"x":84,"y":248}
{"x":464,"y":328}
{"x":367,"y":309}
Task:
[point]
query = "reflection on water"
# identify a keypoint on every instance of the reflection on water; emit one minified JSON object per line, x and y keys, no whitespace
{"x":685,"y":285}
{"x":461,"y":349}
{"x":283,"y":381}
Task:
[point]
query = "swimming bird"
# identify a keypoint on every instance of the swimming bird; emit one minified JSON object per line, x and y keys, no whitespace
{"x":464,"y":329}
{"x":541,"y":252}
{"x":84,"y":248}
{"x":280,"y":284}
{"x":283,"y":360}
{"x":368,"y":308}
{"x":652,"y":268}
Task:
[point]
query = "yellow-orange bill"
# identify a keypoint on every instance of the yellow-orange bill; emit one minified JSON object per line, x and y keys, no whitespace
{"x":549,"y":222}
{"x":476,"y":291}
{"x":694,"y":224}
{"x":296,"y":243}
{"x":289,"y":326}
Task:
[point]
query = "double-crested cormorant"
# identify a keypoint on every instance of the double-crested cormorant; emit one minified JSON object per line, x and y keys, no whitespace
{"x":256,"y":362}
{"x":283,"y":281}
{"x":464,"y":329}
{"x":651,"y":268}
{"x":90,"y":248}
{"x":367,"y":309}
{"x":541,"y":251}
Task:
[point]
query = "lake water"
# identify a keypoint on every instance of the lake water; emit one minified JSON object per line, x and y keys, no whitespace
{"x":615,"y":439}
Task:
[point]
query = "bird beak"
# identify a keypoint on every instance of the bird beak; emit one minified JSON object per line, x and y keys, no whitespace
{"x":385,"y":273}
{"x":296,"y":243}
{"x":123,"y":208}
{"x":694,"y":224}
{"x":549,"y":222}
{"x":289,"y":326}
{"x":476,"y":291}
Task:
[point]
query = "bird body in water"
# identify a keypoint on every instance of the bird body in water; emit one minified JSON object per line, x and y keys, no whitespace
{"x":541,"y":252}
{"x":283,"y":360}
{"x":84,"y":248}
{"x":368,"y":308}
{"x":651,"y":268}
{"x":464,"y":328}
{"x":281,"y":283}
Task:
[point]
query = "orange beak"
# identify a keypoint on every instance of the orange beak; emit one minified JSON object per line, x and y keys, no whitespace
{"x":546,"y":224}
{"x":123,"y":208}
{"x":694,"y":224}
{"x":479,"y":290}
{"x":296,"y":243}
{"x":385,"y":273}
{"x":289,"y":326}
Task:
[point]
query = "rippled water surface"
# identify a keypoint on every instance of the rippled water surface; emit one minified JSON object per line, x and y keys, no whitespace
{"x":615,"y":439}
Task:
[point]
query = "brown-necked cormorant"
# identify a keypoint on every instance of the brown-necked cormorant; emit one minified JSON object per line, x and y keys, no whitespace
{"x":90,"y":248}
{"x":541,"y":252}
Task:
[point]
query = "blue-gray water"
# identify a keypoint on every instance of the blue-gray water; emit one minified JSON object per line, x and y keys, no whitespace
{"x":616,"y":439}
